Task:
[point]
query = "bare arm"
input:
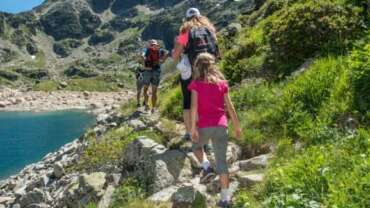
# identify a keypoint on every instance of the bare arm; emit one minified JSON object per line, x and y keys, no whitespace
{"x":177,"y":52}
{"x":194,"y":115}
{"x":234,"y":117}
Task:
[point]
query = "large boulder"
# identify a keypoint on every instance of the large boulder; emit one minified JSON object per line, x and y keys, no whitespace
{"x":188,"y":196}
{"x":155,"y":164}
{"x":34,"y":197}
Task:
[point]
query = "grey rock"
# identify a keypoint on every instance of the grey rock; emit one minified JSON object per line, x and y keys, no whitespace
{"x":137,"y":124}
{"x":165,"y":195}
{"x":234,"y":152}
{"x":114,"y":179}
{"x":259,"y":162}
{"x":141,"y":150}
{"x":16,"y":206}
{"x":3,"y":104}
{"x":249,"y":179}
{"x":102,"y":118}
{"x":6,"y":200}
{"x":107,"y":197}
{"x":42,"y":205}
{"x":2,"y":206}
{"x":34,"y":197}
{"x":93,"y":183}
{"x":58,"y":170}
{"x":186,"y":196}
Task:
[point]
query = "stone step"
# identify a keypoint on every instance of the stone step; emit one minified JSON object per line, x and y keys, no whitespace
{"x":259,"y":162}
{"x":249,"y":179}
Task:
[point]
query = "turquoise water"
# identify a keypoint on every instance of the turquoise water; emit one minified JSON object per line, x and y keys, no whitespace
{"x":27,"y":137}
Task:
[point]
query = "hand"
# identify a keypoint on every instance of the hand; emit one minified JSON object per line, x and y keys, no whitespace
{"x":238,"y":133}
{"x":195,"y":136}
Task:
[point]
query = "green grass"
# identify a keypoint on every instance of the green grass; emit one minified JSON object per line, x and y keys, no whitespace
{"x":109,"y":148}
{"x":105,"y":83}
{"x":46,"y":86}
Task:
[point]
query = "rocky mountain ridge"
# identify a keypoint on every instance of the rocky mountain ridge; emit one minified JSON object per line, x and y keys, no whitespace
{"x":96,"y":35}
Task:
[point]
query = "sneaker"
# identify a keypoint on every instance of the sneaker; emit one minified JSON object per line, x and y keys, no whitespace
{"x":207,"y":175}
{"x":187,"y":137}
{"x":138,"y":105}
{"x":225,"y":204}
{"x":153,"y":110}
{"x":147,"y":108}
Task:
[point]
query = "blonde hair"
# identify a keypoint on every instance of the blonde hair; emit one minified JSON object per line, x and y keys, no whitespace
{"x":196,"y":22}
{"x":206,"y":69}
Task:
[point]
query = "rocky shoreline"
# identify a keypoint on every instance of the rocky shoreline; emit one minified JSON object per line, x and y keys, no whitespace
{"x":37,"y":101}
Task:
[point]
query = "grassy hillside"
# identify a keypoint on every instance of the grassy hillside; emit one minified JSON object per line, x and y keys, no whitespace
{"x":300,"y":78}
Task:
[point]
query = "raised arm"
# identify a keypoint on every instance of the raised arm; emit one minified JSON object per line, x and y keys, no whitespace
{"x":234,"y":117}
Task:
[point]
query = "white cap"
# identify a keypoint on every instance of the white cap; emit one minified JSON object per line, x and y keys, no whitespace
{"x":192,"y":12}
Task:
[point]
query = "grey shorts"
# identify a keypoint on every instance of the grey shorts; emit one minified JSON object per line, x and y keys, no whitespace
{"x":151,"y":77}
{"x":219,"y":138}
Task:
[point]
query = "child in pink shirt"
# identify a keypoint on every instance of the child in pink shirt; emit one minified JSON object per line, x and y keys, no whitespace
{"x":210,"y":102}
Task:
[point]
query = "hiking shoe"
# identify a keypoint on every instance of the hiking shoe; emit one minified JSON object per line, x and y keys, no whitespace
{"x":207,"y":175}
{"x":187,"y":137}
{"x":208,"y":149}
{"x":138,"y":105}
{"x":153,"y":110}
{"x":147,"y":107}
{"x":225,"y":204}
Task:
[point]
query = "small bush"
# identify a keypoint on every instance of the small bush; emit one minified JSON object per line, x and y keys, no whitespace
{"x":302,"y":30}
{"x":171,"y":103}
{"x":359,"y":63}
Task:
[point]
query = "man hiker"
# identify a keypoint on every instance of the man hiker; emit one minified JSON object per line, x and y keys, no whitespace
{"x":152,"y":57}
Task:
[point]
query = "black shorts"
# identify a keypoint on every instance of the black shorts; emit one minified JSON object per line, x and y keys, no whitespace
{"x":186,"y":94}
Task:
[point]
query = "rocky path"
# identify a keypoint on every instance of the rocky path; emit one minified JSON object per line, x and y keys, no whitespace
{"x":17,"y":100}
{"x":170,"y":168}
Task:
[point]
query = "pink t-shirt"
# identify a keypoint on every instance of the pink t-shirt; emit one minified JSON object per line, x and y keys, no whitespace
{"x":211,"y":103}
{"x":183,"y":39}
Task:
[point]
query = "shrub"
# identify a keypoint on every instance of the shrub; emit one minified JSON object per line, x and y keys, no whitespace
{"x":304,"y":97}
{"x":9,"y":75}
{"x":300,"y":31}
{"x":333,"y":175}
{"x":359,"y":64}
{"x":171,"y":103}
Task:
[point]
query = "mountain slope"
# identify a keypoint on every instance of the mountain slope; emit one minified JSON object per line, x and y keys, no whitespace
{"x":99,"y":36}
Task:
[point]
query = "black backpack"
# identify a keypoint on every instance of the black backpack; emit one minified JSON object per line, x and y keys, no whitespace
{"x":201,"y":40}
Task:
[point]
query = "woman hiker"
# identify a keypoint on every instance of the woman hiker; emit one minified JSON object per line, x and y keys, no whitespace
{"x":197,"y":34}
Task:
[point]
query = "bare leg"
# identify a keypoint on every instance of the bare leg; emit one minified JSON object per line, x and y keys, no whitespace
{"x":187,"y":120}
{"x":146,"y":96}
{"x":224,"y":180}
{"x":154,"y":96}
{"x":199,"y":154}
{"x":138,"y":96}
